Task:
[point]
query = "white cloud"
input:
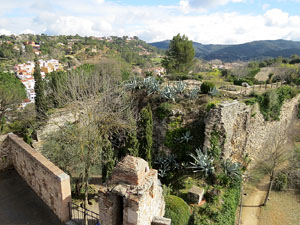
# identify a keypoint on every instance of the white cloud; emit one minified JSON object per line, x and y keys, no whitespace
{"x":151,"y":23}
{"x":5,"y":32}
{"x":206,"y":3}
{"x":278,"y":18}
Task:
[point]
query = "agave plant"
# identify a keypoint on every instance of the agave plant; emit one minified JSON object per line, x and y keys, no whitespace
{"x":179,"y":87}
{"x":202,"y":162}
{"x":231,"y":169}
{"x":185,"y":138}
{"x":151,"y":84}
{"x":213,"y":91}
{"x":133,"y":84}
{"x":168,"y":92}
{"x":194,"y":93}
{"x":165,"y":165}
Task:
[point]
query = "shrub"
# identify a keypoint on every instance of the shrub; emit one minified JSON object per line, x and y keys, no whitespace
{"x":210,"y":106}
{"x":250,"y":101}
{"x":271,"y":101}
{"x":230,"y":203}
{"x":177,"y":210}
{"x":214,"y":214}
{"x":164,"y":110}
{"x":280,"y":182}
{"x":241,"y":81}
{"x":206,"y":87}
{"x":180,"y":150}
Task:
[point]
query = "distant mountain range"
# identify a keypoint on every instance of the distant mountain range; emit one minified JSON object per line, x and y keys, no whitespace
{"x":249,"y":51}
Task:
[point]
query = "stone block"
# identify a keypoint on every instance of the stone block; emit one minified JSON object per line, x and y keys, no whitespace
{"x":160,"y":221}
{"x":195,"y":195}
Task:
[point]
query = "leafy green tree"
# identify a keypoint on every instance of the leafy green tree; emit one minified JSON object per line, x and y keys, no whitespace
{"x":40,"y":98}
{"x":12,"y":92}
{"x":179,"y":57}
{"x":146,"y":132}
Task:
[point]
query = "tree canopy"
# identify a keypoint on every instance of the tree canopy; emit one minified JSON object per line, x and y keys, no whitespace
{"x":12,"y":92}
{"x":180,"y":54}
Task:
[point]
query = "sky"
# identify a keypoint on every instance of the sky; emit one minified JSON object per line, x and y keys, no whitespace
{"x":204,"y":21}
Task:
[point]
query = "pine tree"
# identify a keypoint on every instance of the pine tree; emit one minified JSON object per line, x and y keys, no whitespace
{"x":179,"y":56}
{"x":40,"y":98}
{"x":146,"y":127}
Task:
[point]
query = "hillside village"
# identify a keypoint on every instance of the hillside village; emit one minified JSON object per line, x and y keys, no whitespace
{"x":25,"y":73}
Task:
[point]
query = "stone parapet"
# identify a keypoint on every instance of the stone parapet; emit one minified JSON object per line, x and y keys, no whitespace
{"x":50,"y":183}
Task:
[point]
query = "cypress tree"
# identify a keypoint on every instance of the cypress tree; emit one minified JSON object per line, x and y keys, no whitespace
{"x":146,"y":131}
{"x":40,"y":98}
{"x":132,"y":144}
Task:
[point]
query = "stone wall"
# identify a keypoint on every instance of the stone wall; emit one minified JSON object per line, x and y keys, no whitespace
{"x":50,"y":183}
{"x":243,"y":130}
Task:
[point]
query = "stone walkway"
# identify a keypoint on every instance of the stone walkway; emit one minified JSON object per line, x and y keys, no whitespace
{"x":19,"y":205}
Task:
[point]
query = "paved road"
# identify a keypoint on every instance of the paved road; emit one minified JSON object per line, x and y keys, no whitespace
{"x":19,"y":205}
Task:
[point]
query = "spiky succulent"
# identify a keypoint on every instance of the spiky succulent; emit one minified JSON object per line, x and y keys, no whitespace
{"x":166,"y":164}
{"x":231,"y":169}
{"x":213,"y":91}
{"x":194,"y":93}
{"x":185,"y":138}
{"x":151,"y":85}
{"x":133,"y":84}
{"x":168,"y":93}
{"x":179,"y":87}
{"x":202,"y":162}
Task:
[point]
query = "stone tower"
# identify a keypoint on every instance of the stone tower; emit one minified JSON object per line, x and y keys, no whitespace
{"x":132,"y":196}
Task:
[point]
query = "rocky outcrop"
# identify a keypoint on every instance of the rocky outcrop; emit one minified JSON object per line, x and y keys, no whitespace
{"x":243,"y":131}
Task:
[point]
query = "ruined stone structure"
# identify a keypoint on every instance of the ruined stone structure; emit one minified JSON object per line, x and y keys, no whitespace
{"x":50,"y":183}
{"x":243,"y":130}
{"x":132,"y":196}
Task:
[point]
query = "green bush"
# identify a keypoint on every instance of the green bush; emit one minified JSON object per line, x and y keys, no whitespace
{"x":177,"y":210}
{"x":241,"y":81}
{"x":280,"y":182}
{"x":164,"y":110}
{"x":271,"y":101}
{"x":250,"y":101}
{"x":210,"y":106}
{"x":231,"y":201}
{"x":180,"y":150}
{"x":206,"y":87}
{"x":214,"y":214}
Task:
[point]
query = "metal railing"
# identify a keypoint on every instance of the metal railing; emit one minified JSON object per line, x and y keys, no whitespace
{"x":80,"y":214}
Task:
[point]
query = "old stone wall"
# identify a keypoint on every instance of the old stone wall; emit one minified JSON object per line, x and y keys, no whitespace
{"x":5,"y":156}
{"x":243,"y":131}
{"x":50,"y":183}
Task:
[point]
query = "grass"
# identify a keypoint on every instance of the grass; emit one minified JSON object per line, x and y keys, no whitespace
{"x":283,"y":208}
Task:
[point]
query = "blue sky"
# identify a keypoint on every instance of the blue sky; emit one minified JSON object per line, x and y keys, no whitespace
{"x":205,"y":21}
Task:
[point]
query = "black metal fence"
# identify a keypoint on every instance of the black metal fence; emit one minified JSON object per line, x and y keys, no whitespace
{"x":79,"y":215}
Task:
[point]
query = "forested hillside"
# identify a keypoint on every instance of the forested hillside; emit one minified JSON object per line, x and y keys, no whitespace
{"x":244,"y":52}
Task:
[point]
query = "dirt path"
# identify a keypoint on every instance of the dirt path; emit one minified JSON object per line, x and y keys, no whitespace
{"x":251,"y":202}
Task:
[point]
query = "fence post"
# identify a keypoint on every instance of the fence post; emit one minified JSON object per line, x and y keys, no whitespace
{"x":70,"y":210}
